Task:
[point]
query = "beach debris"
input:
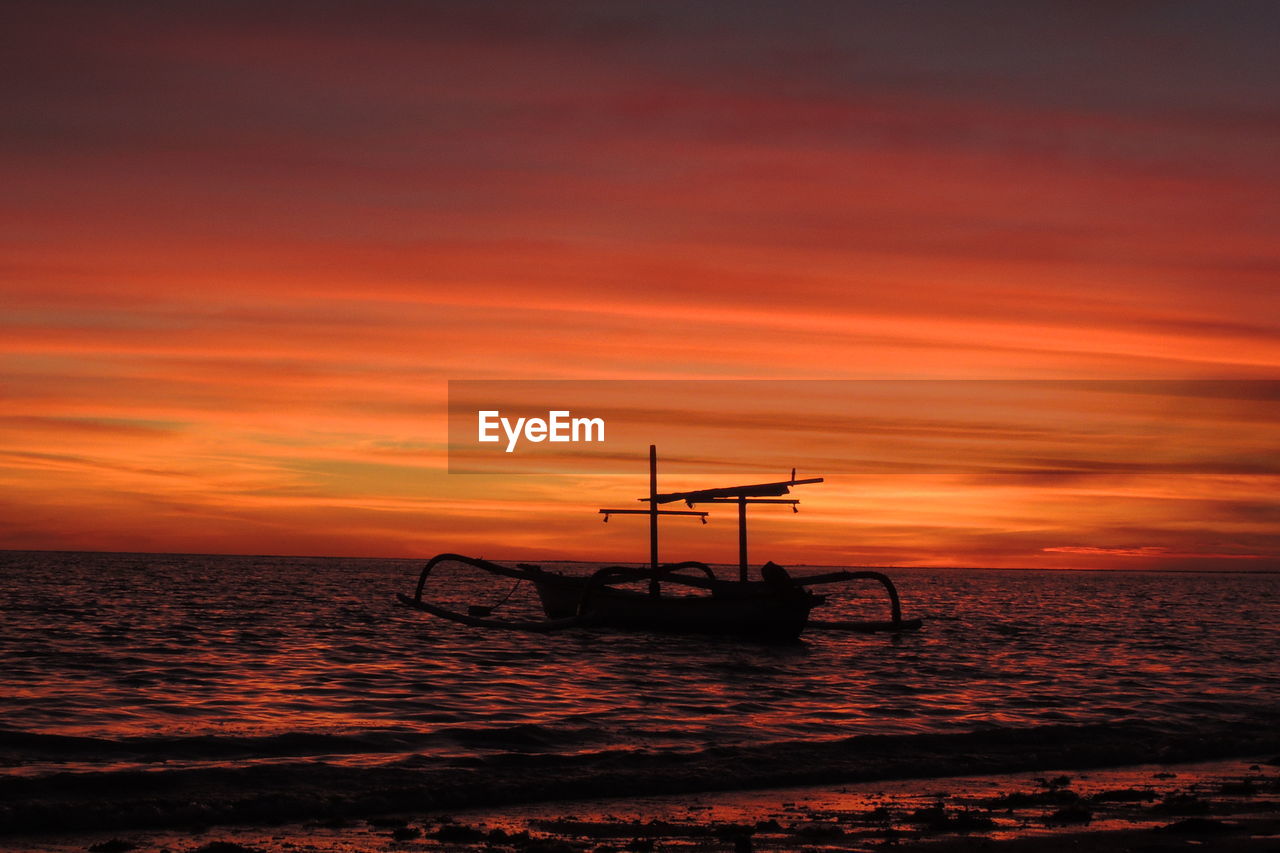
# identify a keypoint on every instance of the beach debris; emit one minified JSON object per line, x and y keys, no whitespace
{"x":1032,"y":799}
{"x":1124,"y":795}
{"x":1238,"y":788}
{"x":458,"y":833}
{"x":1182,"y":803}
{"x":515,"y":839}
{"x":550,"y":846}
{"x":226,"y":847}
{"x":1054,"y":784}
{"x":1076,"y":812}
{"x":818,"y":829}
{"x":617,"y":828}
{"x":115,"y":845}
{"x":1201,"y":826}
{"x":1248,"y":786}
{"x":733,"y":831}
{"x":938,"y":818}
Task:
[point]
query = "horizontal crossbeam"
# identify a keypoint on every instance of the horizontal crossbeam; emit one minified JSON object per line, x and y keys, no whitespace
{"x":650,"y":512}
{"x":693,"y":501}
{"x":758,"y":490}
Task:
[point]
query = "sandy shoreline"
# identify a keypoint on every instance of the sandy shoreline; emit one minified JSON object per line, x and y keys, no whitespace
{"x":1231,"y":805}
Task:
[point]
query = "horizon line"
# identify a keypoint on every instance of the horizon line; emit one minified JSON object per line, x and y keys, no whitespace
{"x":1261,"y":571}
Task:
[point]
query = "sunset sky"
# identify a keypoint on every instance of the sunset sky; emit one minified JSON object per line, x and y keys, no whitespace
{"x":246,"y":246}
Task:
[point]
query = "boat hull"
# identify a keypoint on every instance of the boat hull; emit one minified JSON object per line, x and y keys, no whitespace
{"x":749,"y":610}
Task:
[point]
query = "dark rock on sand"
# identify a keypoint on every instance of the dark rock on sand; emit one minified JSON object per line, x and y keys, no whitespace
{"x":115,"y":845}
{"x":825,"y":831}
{"x":1201,"y":826}
{"x":226,"y":847}
{"x":1074,"y":813}
{"x":1024,"y":800}
{"x":733,"y":830}
{"x":515,"y":839}
{"x":551,"y":846}
{"x":1182,"y":804}
{"x":1124,"y":795}
{"x":939,"y":819}
{"x":458,"y":833}
{"x":1239,"y":788}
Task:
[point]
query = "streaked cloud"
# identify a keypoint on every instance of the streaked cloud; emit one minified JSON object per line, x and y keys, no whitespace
{"x":244,"y":249}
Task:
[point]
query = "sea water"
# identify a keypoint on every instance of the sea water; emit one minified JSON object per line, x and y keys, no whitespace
{"x":115,"y":662}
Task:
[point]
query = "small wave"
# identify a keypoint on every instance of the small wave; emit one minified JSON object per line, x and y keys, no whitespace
{"x":238,"y":794}
{"x":23,"y":747}
{"x":524,"y":736}
{"x":71,"y":747}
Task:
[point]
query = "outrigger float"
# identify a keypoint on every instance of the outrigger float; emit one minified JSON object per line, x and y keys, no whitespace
{"x":775,"y":607}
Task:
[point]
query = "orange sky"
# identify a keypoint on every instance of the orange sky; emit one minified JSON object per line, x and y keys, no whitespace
{"x":244,"y":251}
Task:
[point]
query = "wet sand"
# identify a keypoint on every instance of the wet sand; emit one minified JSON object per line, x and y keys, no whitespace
{"x":1231,"y":805}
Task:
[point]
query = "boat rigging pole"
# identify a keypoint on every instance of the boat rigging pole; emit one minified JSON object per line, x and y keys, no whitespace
{"x":653,"y":517}
{"x":653,"y":507}
{"x":758,"y":493}
{"x":653,"y":512}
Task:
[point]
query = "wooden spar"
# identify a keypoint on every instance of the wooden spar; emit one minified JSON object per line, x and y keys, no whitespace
{"x":654,"y":588}
{"x":653,"y":513}
{"x":648,"y":512}
{"x":759,"y":493}
{"x":748,"y":500}
{"x":758,"y":490}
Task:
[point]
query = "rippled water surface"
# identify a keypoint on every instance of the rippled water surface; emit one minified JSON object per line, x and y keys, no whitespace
{"x":251,"y":658}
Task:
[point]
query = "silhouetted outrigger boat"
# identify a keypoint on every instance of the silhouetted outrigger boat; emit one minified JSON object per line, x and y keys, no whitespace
{"x":775,"y":607}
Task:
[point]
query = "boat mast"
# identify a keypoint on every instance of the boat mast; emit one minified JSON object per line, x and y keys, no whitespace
{"x":653,"y":507}
{"x":653,"y":512}
{"x":758,"y":493}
